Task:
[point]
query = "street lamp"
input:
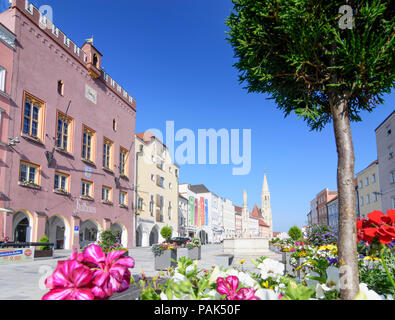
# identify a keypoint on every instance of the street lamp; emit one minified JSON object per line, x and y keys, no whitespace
{"x":136,"y":214}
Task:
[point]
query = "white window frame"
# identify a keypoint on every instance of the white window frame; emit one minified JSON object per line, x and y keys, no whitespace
{"x":367,"y":199}
{"x":2,"y":78}
{"x":124,"y":197}
{"x":106,"y":195}
{"x":84,"y":189}
{"x":66,"y":181}
{"x":392,"y":177}
{"x":28,"y":168}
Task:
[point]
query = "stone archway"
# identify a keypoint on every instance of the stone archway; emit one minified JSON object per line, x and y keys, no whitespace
{"x":123,"y":234}
{"x":22,"y":227}
{"x":58,"y":231}
{"x":89,"y":232}
{"x":154,"y":235}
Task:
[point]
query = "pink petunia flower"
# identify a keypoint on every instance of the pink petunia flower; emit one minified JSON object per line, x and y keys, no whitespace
{"x":229,"y":288}
{"x":111,"y":274}
{"x":70,"y":281}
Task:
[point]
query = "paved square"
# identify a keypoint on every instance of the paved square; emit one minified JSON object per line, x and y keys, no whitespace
{"x":25,"y":280}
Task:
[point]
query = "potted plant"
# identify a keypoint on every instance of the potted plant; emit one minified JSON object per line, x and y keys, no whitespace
{"x":194,"y":249}
{"x":43,"y":251}
{"x":165,"y":256}
{"x":110,"y":241}
{"x":166,"y":233}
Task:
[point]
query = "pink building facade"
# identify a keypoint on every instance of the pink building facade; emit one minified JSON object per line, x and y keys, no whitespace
{"x":67,"y":130}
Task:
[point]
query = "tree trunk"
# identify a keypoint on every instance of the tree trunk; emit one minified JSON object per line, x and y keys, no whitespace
{"x":347,"y":243}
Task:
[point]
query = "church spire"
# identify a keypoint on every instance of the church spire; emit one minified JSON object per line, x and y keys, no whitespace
{"x":266,"y":207}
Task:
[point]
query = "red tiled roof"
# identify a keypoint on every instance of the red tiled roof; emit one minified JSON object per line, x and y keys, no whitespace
{"x":145,"y":136}
{"x":262,"y":223}
{"x":238,"y":210}
{"x":256,"y":212}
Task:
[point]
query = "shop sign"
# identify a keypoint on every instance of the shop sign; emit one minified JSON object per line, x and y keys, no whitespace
{"x":9,"y":255}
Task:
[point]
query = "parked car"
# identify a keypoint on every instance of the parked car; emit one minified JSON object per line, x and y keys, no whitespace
{"x":180,"y":241}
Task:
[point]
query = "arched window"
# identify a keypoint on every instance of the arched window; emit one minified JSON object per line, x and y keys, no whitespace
{"x":95,"y":60}
{"x":2,"y":79}
{"x":114,"y":124}
{"x":60,"y":87}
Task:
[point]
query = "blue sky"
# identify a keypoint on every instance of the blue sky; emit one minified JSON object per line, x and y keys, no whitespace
{"x":173,"y":58}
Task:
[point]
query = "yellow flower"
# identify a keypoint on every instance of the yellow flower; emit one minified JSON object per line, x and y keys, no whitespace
{"x":241,"y":261}
{"x":265,"y":284}
{"x":371,"y":258}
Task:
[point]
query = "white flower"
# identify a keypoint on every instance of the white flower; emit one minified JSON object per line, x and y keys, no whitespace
{"x":215,"y":274}
{"x":332,"y":280}
{"x":271,"y":268}
{"x":214,"y":295}
{"x":366,"y":294}
{"x":310,"y":282}
{"x":246,"y":280}
{"x":266,"y":294}
{"x":178,"y":277}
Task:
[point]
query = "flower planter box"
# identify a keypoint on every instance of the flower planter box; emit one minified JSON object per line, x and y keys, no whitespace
{"x":195,"y":253}
{"x":286,"y":260}
{"x":182,"y":252}
{"x":43,"y":253}
{"x":164,"y":261}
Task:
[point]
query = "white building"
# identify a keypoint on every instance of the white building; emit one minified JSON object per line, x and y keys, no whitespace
{"x":385,"y":140}
{"x":228,"y":218}
{"x":183,"y":210}
{"x":198,"y":221}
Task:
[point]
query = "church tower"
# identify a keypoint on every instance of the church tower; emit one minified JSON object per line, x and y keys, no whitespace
{"x":266,"y":207}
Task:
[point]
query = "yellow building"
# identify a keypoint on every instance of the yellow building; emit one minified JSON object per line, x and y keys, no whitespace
{"x":157,"y":190}
{"x":369,"y":189}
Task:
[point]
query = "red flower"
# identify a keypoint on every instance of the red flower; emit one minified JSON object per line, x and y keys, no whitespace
{"x":377,"y":226}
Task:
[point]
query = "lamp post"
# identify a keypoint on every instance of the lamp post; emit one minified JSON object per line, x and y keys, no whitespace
{"x":136,"y":213}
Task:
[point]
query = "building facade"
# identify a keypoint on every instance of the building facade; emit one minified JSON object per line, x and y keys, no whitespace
{"x":385,"y":140}
{"x":157,"y":202}
{"x":183,"y":209}
{"x":323,"y":198}
{"x":210,"y":213}
{"x":369,"y":190}
{"x":333,"y":214}
{"x":198,"y":222}
{"x":66,"y":171}
{"x":314,"y":212}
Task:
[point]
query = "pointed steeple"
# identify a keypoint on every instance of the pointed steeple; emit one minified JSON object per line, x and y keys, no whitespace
{"x":266,"y":206}
{"x":265,"y":185}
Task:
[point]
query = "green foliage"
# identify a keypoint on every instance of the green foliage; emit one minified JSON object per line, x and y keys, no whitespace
{"x":374,"y":275}
{"x":44,"y":239}
{"x":295,"y":233}
{"x":195,"y":242}
{"x":295,"y":51}
{"x":191,"y":287}
{"x":297,"y":291}
{"x":166,"y":232}
{"x":109,"y":241}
